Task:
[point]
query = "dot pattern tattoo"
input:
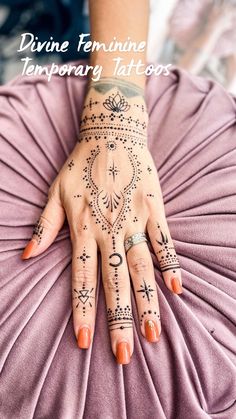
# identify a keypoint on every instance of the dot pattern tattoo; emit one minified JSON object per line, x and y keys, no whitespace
{"x":148,"y":312}
{"x":38,"y":230}
{"x":119,"y":202}
{"x":84,"y":257}
{"x":167,"y":257}
{"x":71,"y":164}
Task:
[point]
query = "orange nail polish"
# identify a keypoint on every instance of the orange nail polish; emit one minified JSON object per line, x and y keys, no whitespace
{"x":151,"y":331}
{"x":29,"y":249}
{"x":123,"y":353}
{"x":176,"y":286}
{"x":84,"y":337}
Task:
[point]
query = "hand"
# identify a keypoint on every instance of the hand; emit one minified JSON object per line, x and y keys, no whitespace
{"x":109,"y":189}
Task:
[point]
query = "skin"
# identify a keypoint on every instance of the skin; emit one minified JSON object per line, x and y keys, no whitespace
{"x":109,"y":189}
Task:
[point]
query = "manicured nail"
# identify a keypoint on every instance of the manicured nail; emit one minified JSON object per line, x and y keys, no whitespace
{"x":29,"y":249}
{"x":176,"y":286}
{"x":123,"y":353}
{"x":84,"y":337}
{"x":151,"y":331}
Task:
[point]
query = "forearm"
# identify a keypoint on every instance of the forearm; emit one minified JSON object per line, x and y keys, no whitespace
{"x":120,"y":19}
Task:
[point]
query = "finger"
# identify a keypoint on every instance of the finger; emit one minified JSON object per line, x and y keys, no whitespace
{"x":47,"y":226}
{"x":84,"y":283}
{"x":116,"y":284}
{"x":143,"y":278}
{"x":163,"y":246}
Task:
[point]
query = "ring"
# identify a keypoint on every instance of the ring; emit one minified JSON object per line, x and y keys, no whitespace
{"x":134,"y":239}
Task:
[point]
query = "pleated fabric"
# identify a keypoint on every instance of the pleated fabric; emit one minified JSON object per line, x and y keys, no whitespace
{"x":191,"y":371}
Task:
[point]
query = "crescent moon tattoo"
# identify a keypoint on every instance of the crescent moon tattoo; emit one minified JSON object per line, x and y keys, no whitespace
{"x":115,"y":265}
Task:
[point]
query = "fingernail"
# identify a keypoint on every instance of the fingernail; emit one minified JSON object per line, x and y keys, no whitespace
{"x":84,"y":337}
{"x":29,"y":249}
{"x":123,"y":353}
{"x":151,"y":331}
{"x":176,"y":286}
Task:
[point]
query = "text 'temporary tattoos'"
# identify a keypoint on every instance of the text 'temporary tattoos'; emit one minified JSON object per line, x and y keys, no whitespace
{"x":167,"y":257}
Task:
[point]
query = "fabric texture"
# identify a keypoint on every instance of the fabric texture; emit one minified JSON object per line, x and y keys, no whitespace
{"x":191,"y":371}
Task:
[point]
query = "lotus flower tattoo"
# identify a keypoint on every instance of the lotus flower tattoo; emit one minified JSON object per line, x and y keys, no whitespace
{"x":116,"y":103}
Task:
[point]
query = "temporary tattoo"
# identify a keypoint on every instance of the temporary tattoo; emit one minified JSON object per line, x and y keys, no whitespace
{"x":116,"y":103}
{"x":83,"y":257}
{"x":71,"y":164}
{"x":111,"y":201}
{"x":128,"y":89}
{"x":135,"y":220}
{"x":167,"y":257}
{"x":85,"y":227}
{"x":146,"y":290}
{"x":91,"y":104}
{"x":112,"y":117}
{"x":148,"y":312}
{"x":121,"y":317}
{"x":113,"y":171}
{"x":140,"y":107}
{"x":111,"y":145}
{"x":118,"y":257}
{"x":38,"y":230}
{"x":119,"y":202}
{"x":84,"y":296}
{"x":149,"y":169}
{"x":77,"y":196}
{"x":150,"y":195}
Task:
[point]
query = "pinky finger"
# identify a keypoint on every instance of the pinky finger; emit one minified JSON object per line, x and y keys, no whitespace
{"x":164,"y":249}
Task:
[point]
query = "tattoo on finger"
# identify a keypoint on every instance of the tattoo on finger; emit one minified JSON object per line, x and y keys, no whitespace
{"x":166,"y":255}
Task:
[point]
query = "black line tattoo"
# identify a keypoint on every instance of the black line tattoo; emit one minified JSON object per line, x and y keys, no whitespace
{"x":113,"y":170}
{"x":146,"y":290}
{"x":85,"y":298}
{"x":167,"y":256}
{"x":119,"y":259}
{"x":116,"y":103}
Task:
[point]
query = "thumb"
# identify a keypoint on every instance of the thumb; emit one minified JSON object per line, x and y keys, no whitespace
{"x":48,"y":224}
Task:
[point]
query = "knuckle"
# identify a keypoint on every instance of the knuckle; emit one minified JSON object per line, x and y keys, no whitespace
{"x":111,"y":281}
{"x":81,"y":277}
{"x":139,"y":265}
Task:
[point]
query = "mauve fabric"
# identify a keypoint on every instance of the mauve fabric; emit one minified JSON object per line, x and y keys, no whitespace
{"x":191,"y":371}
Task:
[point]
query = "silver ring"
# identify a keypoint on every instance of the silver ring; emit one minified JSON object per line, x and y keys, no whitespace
{"x":134,"y":239}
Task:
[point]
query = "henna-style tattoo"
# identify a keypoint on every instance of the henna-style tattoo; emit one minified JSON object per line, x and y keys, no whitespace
{"x":38,"y":230}
{"x":84,"y":257}
{"x":119,"y":259}
{"x":116,"y":103}
{"x":146,"y":290}
{"x":84,"y":296}
{"x":71,"y":164}
{"x":167,"y":256}
{"x":148,"y":312}
{"x":119,"y":202}
{"x":113,"y":170}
